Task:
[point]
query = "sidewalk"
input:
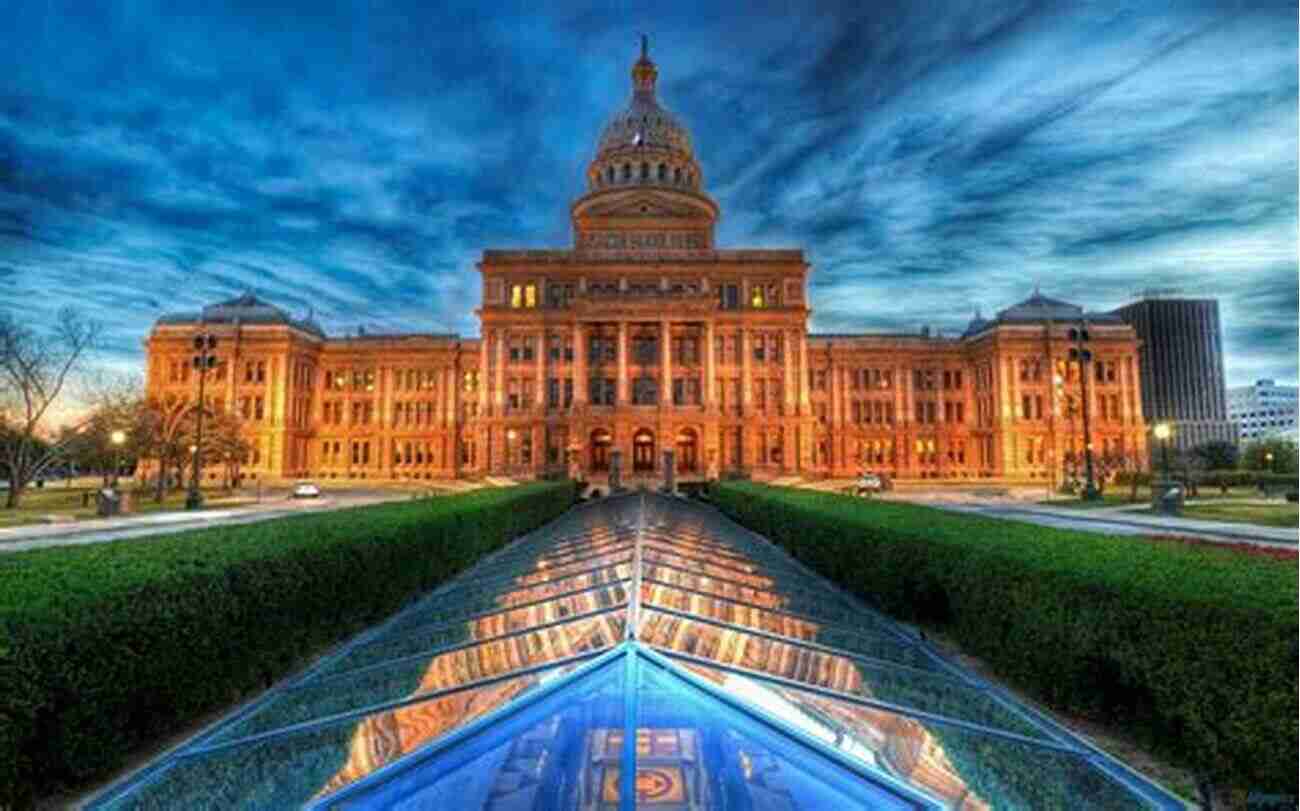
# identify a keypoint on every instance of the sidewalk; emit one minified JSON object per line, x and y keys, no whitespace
{"x":1121,"y":521}
{"x":97,"y":530}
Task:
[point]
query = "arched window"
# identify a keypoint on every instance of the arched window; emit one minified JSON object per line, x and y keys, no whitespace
{"x":677,"y":176}
{"x":663,"y":173}
{"x":627,"y":171}
{"x":610,"y":174}
{"x":645,"y":171}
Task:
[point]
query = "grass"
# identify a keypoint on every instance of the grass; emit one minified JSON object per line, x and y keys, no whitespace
{"x":1119,"y":497}
{"x":1283,"y":514}
{"x":64,"y":503}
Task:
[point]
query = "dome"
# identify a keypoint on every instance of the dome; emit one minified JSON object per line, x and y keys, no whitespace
{"x":644,"y":144}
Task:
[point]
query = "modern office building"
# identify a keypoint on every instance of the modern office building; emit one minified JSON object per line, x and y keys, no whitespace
{"x":1182,"y":367}
{"x":644,"y":335}
{"x":1264,"y":410}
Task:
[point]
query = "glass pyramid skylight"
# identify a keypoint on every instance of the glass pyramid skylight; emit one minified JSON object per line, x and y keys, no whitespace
{"x":745,"y":681}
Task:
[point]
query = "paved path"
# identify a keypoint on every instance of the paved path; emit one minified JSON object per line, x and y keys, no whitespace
{"x":41,"y":536}
{"x":1117,"y":521}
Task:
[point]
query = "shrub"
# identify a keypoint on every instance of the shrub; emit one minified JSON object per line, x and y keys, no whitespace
{"x":1193,"y":649}
{"x":109,"y":646}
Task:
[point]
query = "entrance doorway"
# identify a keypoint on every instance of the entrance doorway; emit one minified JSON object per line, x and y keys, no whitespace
{"x":687,"y":451}
{"x":601,"y":440}
{"x":643,"y":451}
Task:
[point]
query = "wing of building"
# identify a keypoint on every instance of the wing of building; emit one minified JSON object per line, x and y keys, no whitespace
{"x":645,"y":336}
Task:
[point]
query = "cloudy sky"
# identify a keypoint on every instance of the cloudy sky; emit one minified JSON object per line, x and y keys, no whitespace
{"x":355,"y":157}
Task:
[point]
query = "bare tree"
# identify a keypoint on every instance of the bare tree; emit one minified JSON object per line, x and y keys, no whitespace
{"x":164,"y":433}
{"x":35,"y":366}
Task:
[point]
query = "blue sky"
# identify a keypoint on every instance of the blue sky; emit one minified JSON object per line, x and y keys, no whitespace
{"x":355,"y":158}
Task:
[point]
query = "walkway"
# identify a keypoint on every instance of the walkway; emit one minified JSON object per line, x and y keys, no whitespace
{"x":746,"y":681}
{"x":98,"y":530}
{"x":1122,"y":521}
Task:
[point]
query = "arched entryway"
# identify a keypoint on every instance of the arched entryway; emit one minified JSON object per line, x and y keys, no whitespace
{"x":688,"y":451}
{"x":643,"y":451}
{"x":601,"y":442}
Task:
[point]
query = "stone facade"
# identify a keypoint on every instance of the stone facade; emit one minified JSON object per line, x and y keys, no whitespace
{"x":646,"y":337}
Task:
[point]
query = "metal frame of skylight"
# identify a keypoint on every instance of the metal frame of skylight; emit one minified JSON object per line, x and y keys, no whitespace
{"x":1146,"y":788}
{"x":157,"y":764}
{"x":813,"y":646}
{"x":454,"y":646}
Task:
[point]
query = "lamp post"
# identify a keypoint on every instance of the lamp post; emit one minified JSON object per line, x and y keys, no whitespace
{"x":205,"y":345}
{"x":1268,"y":460}
{"x":1083,"y":355}
{"x":117,"y":438}
{"x":1163,"y":431}
{"x":510,"y":454}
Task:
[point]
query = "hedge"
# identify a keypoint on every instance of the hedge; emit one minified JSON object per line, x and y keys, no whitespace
{"x":107,"y":647}
{"x":1191,"y":648}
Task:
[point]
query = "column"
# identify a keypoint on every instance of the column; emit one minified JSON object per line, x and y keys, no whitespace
{"x":449,"y":388}
{"x":579,"y":368}
{"x":789,"y":385}
{"x":746,"y":373}
{"x":710,"y":368}
{"x":483,"y":374}
{"x":501,"y":372}
{"x":666,"y":364}
{"x":835,"y":449}
{"x":622,"y":385}
{"x":805,"y":400}
{"x":1125,"y":386}
{"x":540,"y":405}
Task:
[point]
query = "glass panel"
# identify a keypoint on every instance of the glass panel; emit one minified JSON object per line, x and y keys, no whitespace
{"x":695,"y":751}
{"x":872,"y":645}
{"x":291,"y":770}
{"x":912,"y":689}
{"x":322,"y":697}
{"x":532,"y":760}
{"x":432,"y":639}
{"x":543,"y":610}
{"x":959,"y":767}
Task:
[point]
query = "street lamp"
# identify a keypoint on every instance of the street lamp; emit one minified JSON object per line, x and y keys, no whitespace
{"x":510,"y":453}
{"x":1268,"y":460}
{"x":117,"y":438}
{"x":205,"y":345}
{"x":1082,"y":354}
{"x":1163,"y":431}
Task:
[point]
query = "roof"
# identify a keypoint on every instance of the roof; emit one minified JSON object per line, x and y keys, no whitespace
{"x":736,"y":668}
{"x":244,"y":309}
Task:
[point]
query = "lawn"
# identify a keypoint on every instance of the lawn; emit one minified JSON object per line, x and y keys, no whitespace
{"x":1276,"y":514}
{"x":1119,"y":496}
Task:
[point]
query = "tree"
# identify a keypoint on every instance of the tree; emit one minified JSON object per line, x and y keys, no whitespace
{"x":35,"y":366}
{"x":1216,"y":455}
{"x":164,"y":431}
{"x":1255,"y":456}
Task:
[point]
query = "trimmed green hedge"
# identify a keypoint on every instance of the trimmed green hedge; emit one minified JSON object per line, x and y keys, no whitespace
{"x":1193,"y":649}
{"x":109,"y":646}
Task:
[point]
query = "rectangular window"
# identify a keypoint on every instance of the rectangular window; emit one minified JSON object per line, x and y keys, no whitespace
{"x":729,"y":296}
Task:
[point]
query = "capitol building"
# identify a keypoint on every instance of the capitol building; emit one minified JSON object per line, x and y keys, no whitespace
{"x":643,"y":336}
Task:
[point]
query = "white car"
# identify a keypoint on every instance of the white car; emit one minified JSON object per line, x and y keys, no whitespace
{"x":306,"y":490}
{"x":869,"y":483}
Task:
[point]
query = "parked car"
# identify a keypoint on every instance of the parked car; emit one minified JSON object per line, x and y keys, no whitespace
{"x":869,"y":483}
{"x":306,"y":490}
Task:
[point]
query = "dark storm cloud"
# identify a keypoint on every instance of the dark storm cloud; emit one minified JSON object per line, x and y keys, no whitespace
{"x":353,"y":158}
